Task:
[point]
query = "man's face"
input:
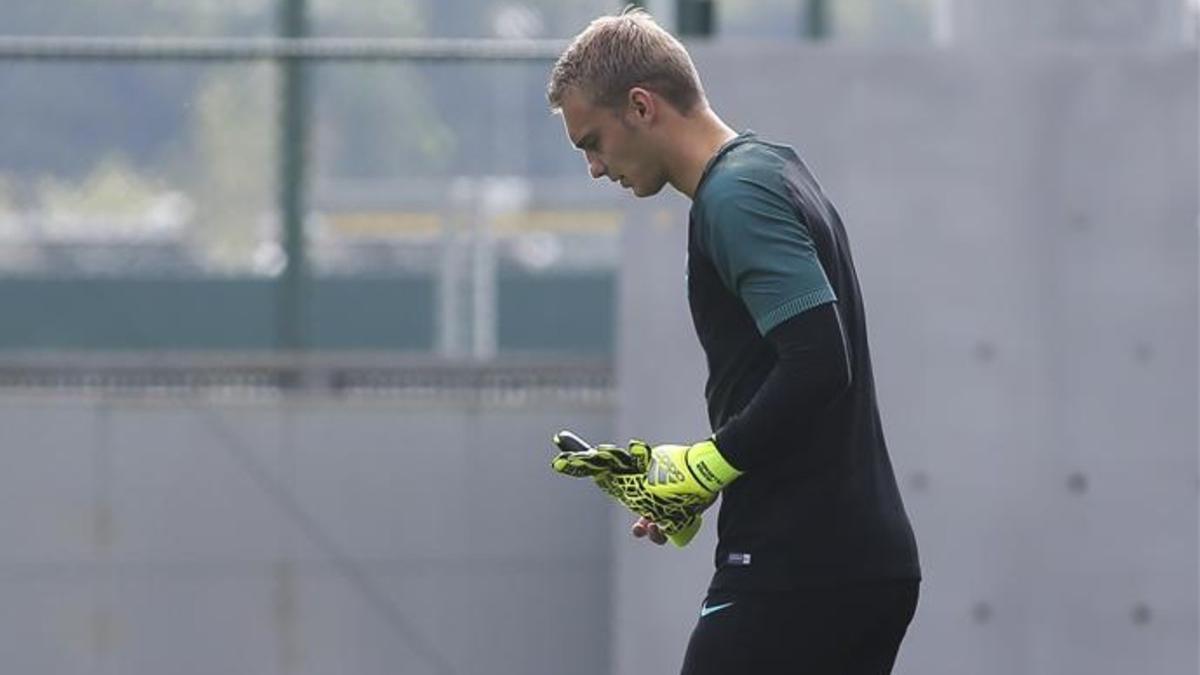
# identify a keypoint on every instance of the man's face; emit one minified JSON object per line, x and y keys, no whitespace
{"x":615,"y":143}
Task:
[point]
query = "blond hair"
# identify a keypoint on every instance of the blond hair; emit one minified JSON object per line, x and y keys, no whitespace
{"x":616,"y":53}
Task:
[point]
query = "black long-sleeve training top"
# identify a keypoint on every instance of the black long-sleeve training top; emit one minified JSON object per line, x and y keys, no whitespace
{"x":791,"y":397}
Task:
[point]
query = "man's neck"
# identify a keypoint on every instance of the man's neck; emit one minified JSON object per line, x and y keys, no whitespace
{"x":699,"y":139}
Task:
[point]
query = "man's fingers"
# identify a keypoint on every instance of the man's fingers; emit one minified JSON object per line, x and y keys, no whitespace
{"x":569,"y":441}
{"x":577,"y":457}
{"x":644,"y":527}
{"x":580,"y":464}
{"x":641,"y":527}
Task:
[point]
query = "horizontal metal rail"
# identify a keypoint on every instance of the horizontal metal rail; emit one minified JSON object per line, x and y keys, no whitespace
{"x":73,"y":48}
{"x":361,"y":374}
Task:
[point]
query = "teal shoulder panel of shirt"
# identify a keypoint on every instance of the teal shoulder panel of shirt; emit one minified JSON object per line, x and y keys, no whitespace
{"x":751,"y":230}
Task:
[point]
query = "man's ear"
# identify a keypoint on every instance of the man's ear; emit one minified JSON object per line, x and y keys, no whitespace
{"x":642,"y":105}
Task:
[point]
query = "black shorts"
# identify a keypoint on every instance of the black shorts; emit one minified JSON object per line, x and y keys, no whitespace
{"x":838,"y":630}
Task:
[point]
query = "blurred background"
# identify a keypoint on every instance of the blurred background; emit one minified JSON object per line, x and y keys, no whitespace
{"x":287,"y":327}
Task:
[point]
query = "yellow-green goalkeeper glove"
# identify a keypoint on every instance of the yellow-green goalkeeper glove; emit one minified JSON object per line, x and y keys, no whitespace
{"x":621,"y":473}
{"x":669,"y":484}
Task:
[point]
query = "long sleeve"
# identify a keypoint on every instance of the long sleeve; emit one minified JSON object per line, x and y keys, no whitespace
{"x":812,"y":370}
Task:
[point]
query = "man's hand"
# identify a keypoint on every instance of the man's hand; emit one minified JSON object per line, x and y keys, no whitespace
{"x":667,"y":485}
{"x":692,"y":474}
{"x":621,"y":473}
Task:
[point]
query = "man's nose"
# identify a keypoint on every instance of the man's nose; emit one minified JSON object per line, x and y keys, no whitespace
{"x":596,"y":168}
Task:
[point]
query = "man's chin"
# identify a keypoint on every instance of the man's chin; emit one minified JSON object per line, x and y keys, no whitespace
{"x":640,"y":192}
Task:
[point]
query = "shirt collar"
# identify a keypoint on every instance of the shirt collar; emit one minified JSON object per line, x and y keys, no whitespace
{"x":732,"y":143}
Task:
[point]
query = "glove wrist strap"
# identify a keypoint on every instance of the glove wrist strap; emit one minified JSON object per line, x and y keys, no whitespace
{"x":709,"y":468}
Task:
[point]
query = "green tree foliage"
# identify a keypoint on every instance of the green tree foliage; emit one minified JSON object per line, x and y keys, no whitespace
{"x":379,"y":120}
{"x":112,"y":188}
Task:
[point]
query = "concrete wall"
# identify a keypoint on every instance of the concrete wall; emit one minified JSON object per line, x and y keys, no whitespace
{"x":313,"y":536}
{"x":1025,"y":230}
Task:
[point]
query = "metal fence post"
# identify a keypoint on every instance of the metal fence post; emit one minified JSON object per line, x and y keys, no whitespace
{"x":293,"y":145}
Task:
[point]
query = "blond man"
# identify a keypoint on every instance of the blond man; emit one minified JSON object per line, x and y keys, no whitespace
{"x":816,"y":563}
